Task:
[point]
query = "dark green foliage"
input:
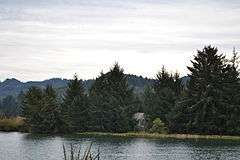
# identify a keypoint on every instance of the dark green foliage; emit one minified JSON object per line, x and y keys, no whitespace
{"x":41,"y":110}
{"x":160,"y":99}
{"x":210,"y":96}
{"x":50,"y":112}
{"x":202,"y":103}
{"x":205,"y":102}
{"x":31,"y":107}
{"x":112,"y":102}
{"x":138,"y":83}
{"x":75,"y":107}
{"x":231,"y":96}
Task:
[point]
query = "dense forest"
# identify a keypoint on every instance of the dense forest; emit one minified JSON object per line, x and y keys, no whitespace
{"x":208,"y":103}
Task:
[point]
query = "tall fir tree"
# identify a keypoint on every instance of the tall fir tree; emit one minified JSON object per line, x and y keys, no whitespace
{"x":205,"y":108}
{"x":31,"y":107}
{"x":75,"y":107}
{"x":41,"y":110}
{"x":160,"y":99}
{"x":113,"y":102}
{"x":50,"y":112}
{"x":232,"y":94}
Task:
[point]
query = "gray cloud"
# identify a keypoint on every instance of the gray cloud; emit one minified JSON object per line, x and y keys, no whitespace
{"x":44,"y":39}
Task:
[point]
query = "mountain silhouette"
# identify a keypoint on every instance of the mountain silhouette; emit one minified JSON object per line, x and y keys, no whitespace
{"x":14,"y":87}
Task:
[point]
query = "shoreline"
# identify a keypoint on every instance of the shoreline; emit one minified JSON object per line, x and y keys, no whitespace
{"x":160,"y":136}
{"x":141,"y":135}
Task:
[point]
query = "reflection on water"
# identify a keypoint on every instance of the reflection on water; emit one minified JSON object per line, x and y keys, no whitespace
{"x":39,"y":147}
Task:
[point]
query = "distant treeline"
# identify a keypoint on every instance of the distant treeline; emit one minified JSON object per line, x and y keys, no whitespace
{"x":209,"y":103}
{"x":10,"y":106}
{"x":13,"y":87}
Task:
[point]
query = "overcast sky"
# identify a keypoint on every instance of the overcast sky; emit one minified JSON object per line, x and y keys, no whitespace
{"x":42,"y":39}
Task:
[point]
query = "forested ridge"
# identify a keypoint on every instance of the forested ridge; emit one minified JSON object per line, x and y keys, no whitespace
{"x":208,"y":102}
{"x":13,"y":87}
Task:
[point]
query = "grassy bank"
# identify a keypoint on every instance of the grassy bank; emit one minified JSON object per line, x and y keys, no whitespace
{"x":159,"y":136}
{"x":17,"y":124}
{"x":12,"y":124}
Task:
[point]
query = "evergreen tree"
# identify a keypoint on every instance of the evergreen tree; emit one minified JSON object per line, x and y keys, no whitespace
{"x":31,"y":107}
{"x":149,"y":100}
{"x":205,"y":107}
{"x":232,"y":94}
{"x":41,"y":110}
{"x":160,"y":99}
{"x":20,"y":99}
{"x":75,"y":108}
{"x":50,"y":112}
{"x":113,"y":101}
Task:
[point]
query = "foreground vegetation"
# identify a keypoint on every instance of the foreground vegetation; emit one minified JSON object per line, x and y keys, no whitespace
{"x":75,"y":153}
{"x":208,"y":103}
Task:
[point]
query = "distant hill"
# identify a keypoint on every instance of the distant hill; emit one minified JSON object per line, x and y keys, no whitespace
{"x":14,"y":86}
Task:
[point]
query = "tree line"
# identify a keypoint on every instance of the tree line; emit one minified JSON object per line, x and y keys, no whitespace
{"x":108,"y":106}
{"x":208,"y":103}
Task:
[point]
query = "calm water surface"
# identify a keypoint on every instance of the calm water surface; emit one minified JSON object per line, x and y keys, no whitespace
{"x":19,"y":146}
